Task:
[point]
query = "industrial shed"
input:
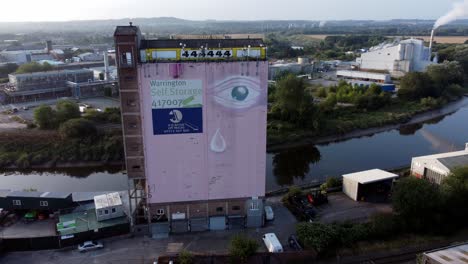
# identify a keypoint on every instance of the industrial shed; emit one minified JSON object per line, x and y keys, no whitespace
{"x":44,"y":201}
{"x":372,"y":185}
{"x":448,"y":255}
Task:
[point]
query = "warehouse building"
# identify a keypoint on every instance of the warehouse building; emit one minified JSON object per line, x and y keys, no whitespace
{"x":366,"y":79}
{"x":372,"y":185}
{"x":194,"y":119}
{"x":398,"y":57}
{"x":435,"y":168}
{"x":43,"y":201}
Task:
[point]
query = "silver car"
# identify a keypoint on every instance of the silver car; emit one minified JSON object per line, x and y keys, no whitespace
{"x":90,"y":245}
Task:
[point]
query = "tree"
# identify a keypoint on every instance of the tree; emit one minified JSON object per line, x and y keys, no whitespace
{"x":8,"y":68}
{"x":67,"y":110}
{"x":455,"y":191}
{"x":293,"y":103}
{"x":242,"y":248}
{"x":77,"y":128}
{"x":443,"y":75}
{"x":415,"y":85}
{"x":45,"y":117}
{"x":34,"y":67}
{"x":417,"y":203}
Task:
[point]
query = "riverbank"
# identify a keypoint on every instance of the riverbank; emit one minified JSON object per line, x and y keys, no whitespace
{"x":415,"y":119}
{"x":68,"y":165}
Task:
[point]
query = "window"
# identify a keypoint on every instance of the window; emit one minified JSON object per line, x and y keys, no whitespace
{"x":126,"y":59}
{"x":236,"y":208}
{"x":44,"y":203}
{"x":131,"y":102}
{"x":113,"y":210}
{"x":16,"y":202}
{"x":106,"y":212}
{"x":160,"y":212}
{"x":219,"y":209}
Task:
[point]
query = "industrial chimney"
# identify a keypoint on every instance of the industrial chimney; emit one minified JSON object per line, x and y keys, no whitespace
{"x":431,"y":41}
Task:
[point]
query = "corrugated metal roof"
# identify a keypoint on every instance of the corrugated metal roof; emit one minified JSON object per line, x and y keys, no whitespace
{"x":107,"y":200}
{"x":450,"y":255}
{"x":370,"y":176}
{"x":50,"y":195}
{"x":454,"y":162}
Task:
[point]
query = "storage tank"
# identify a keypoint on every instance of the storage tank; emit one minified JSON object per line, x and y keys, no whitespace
{"x":303,"y":60}
{"x":409,"y":53}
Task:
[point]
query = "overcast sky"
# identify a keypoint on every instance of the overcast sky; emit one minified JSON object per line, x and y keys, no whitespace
{"x":61,"y":10}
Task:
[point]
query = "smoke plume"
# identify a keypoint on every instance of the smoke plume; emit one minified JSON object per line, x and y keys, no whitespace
{"x":460,"y":9}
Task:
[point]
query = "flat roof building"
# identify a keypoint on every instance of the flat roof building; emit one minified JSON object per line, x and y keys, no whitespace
{"x":436,"y":167}
{"x":194,"y":118}
{"x":448,"y":255}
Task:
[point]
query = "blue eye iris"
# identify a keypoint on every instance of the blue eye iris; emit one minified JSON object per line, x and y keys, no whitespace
{"x":240,"y":93}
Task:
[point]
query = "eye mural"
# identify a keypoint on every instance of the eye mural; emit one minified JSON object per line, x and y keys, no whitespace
{"x":238,"y":93}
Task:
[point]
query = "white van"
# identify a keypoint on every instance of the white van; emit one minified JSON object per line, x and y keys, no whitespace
{"x":272,"y":243}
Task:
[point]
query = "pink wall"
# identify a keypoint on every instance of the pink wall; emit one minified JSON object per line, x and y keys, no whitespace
{"x":190,"y":167}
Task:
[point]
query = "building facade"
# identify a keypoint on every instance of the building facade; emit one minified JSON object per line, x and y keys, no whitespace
{"x":194,"y":117}
{"x":435,"y":168}
{"x":398,"y":58}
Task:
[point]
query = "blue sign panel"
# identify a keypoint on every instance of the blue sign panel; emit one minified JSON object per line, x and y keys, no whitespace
{"x":177,"y":121}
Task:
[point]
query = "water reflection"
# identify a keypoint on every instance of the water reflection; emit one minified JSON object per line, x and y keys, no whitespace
{"x":71,"y":172}
{"x":408,"y":130}
{"x":294,"y":163}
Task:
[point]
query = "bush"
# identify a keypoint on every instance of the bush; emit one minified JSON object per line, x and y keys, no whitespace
{"x":242,"y":248}
{"x":330,"y":183}
{"x":23,"y":161}
{"x":316,"y":236}
{"x":185,"y":257}
{"x":383,"y":226}
{"x":45,"y":117}
{"x":292,"y":191}
{"x":77,"y":128}
{"x":349,"y":234}
{"x":429,"y":102}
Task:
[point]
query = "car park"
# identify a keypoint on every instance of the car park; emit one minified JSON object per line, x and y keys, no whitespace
{"x":90,"y":245}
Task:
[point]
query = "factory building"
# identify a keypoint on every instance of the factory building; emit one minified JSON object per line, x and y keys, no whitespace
{"x":398,"y":57}
{"x":302,"y":66}
{"x":194,"y":118}
{"x":436,"y":167}
{"x":365,"y":79}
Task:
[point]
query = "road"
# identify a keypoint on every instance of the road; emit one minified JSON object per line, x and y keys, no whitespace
{"x":144,"y":249}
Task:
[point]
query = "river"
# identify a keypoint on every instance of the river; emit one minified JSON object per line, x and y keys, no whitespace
{"x":298,"y":165}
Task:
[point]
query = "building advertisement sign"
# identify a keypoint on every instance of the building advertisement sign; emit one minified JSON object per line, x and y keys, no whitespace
{"x":177,"y":106}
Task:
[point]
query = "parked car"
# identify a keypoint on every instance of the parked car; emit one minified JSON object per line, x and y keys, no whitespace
{"x":30,"y":216}
{"x":25,"y":107}
{"x":294,"y":243}
{"x":269,"y":215}
{"x":272,"y":243}
{"x":90,"y":245}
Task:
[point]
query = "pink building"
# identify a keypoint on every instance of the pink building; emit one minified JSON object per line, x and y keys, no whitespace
{"x":194,"y":114}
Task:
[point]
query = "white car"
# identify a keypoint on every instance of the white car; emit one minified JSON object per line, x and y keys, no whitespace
{"x":269,"y":215}
{"x":272,"y":243}
{"x":90,"y":245}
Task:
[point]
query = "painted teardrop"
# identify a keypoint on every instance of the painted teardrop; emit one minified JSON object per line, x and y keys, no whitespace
{"x":218,"y":144}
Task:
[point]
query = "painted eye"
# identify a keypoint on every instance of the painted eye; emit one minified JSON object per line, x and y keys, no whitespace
{"x":237,"y":93}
